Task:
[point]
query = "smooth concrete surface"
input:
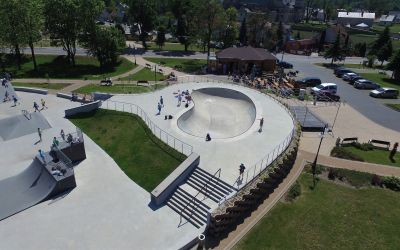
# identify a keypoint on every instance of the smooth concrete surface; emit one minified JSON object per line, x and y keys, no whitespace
{"x":84,"y":108}
{"x":106,"y":210}
{"x":223,"y":113}
{"x":227,"y":154}
{"x":161,"y":193}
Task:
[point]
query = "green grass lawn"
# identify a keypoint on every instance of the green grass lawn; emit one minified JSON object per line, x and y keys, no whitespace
{"x":330,"y":217}
{"x":173,"y":47}
{"x":369,"y":39}
{"x":304,"y":34}
{"x":395,"y":28}
{"x":41,"y":85}
{"x":126,"y":138}
{"x":393,"y":106}
{"x":383,"y":80}
{"x":116,"y":89}
{"x":378,"y":156}
{"x":144,"y":74}
{"x":184,"y":65}
{"x":57,"y":67}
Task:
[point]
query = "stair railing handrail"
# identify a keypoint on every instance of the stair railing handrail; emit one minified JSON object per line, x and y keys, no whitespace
{"x":194,"y":197}
{"x":156,"y":130}
{"x":26,"y":114}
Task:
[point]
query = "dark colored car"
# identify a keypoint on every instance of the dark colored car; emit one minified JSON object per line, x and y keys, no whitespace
{"x":366,"y":84}
{"x":341,"y":72}
{"x":354,"y":79}
{"x":385,"y":93}
{"x":337,"y":69}
{"x":328,"y":97}
{"x":285,"y":65}
{"x":308,"y":82}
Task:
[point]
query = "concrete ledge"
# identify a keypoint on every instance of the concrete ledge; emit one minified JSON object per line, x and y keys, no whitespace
{"x":101,"y":96}
{"x":161,"y":193}
{"x":85,"y":108}
{"x":32,"y":90}
{"x":65,"y":96}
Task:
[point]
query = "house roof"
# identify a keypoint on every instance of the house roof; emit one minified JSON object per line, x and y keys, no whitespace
{"x":365,"y":15}
{"x":387,"y":18}
{"x":245,"y":54}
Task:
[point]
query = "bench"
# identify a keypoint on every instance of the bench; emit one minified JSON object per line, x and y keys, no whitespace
{"x":349,"y":140}
{"x":380,"y":143}
{"x":148,"y":66}
{"x":142,"y":81}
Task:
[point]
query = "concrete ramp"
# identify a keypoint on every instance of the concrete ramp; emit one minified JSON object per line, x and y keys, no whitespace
{"x":32,"y":186}
{"x":224,"y":113}
{"x":20,"y":125}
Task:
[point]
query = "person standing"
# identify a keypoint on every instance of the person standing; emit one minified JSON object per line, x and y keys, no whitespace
{"x":241,"y":169}
{"x":162,"y":101}
{"x":159,"y":108}
{"x":36,"y":107}
{"x":62,"y":134}
{"x":179,"y":99}
{"x":43,"y":103}
{"x":40,"y":134}
{"x":55,"y":142}
{"x":42,"y":156}
{"x":261,"y":124}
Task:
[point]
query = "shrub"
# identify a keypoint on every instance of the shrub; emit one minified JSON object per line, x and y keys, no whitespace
{"x":376,"y":180}
{"x":318,"y":170}
{"x":341,"y":152}
{"x":392,"y":183}
{"x":332,"y":174}
{"x":294,"y":191}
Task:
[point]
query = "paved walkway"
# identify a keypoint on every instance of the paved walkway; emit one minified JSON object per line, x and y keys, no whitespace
{"x":302,"y":158}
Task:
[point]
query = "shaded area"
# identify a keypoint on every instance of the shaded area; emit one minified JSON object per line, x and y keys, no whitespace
{"x":118,"y":88}
{"x":145,"y":74}
{"x":184,"y":65}
{"x":125,"y":137}
{"x":332,"y":216}
{"x":56,"y":86}
{"x":54,"y":66}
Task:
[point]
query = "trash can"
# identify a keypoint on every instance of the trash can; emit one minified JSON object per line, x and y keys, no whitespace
{"x":302,"y":93}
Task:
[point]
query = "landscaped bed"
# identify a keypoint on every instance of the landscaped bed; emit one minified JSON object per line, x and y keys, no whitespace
{"x":393,"y":106}
{"x":364,"y":152}
{"x":118,"y":88}
{"x":41,"y":85}
{"x":125,"y":137}
{"x":332,"y":216}
{"x":54,"y":66}
{"x":183,"y":65}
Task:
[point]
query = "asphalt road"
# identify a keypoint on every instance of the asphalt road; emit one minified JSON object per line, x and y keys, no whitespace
{"x":359,"y":99}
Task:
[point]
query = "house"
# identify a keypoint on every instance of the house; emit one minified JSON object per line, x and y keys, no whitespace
{"x":386,"y":20}
{"x":243,"y":59}
{"x":303,"y":46}
{"x":396,"y":14}
{"x":332,"y":32}
{"x":354,"y":18}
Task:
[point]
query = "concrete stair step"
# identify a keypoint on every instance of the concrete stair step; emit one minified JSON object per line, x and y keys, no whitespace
{"x":213,"y":183}
{"x":210,"y":190}
{"x":209,"y":203}
{"x":198,"y":186}
{"x":191,"y":204}
{"x":174,"y":205}
{"x":222,"y":183}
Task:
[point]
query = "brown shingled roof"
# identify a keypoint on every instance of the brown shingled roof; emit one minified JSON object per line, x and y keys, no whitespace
{"x":245,"y":54}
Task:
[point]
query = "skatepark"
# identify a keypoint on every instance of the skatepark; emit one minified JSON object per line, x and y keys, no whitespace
{"x":108,"y":209}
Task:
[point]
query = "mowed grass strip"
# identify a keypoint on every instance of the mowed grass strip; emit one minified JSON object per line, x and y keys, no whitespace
{"x":183,"y":65}
{"x":54,"y":66}
{"x":125,"y":137}
{"x":383,"y":80}
{"x":378,"y":156}
{"x":145,"y":74}
{"x":114,"y":89}
{"x":55,"y":86}
{"x":330,"y":217}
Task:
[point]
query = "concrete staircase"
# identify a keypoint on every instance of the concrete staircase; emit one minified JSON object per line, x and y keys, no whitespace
{"x":201,"y":193}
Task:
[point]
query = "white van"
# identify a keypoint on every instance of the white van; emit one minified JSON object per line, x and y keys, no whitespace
{"x":330,"y":88}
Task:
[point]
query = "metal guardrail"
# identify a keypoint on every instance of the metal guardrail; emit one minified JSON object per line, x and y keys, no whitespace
{"x":164,"y":136}
{"x":205,"y":186}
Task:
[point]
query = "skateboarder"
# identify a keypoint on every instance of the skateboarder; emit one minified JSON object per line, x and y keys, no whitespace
{"x":241,"y":169}
{"x":43,"y":104}
{"x":62,"y":134}
{"x":162,"y":101}
{"x":159,"y":108}
{"x":41,"y":155}
{"x":40,"y":134}
{"x":55,"y":142}
{"x":15,"y":100}
{"x":261,"y":124}
{"x":36,"y":107}
{"x":179,"y":99}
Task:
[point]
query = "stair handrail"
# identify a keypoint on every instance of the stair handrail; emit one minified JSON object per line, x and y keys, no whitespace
{"x":194,"y":198}
{"x":26,"y":114}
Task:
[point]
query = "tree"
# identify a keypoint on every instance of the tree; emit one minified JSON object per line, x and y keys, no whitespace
{"x":394,"y":65}
{"x":105,"y":43}
{"x":335,"y":52}
{"x":185,"y":13}
{"x":143,"y":12}
{"x":298,"y":37}
{"x":68,"y":20}
{"x":385,"y":52}
{"x":363,"y":49}
{"x":12,"y":29}
{"x":279,"y":34}
{"x":256,"y":28}
{"x":160,"y":40}
{"x":321,"y":41}
{"x":243,"y":33}
{"x":310,"y":6}
{"x":383,"y":38}
{"x":230,"y":32}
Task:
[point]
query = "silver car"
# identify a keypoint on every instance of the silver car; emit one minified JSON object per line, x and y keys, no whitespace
{"x":366,"y":84}
{"x":349,"y":76}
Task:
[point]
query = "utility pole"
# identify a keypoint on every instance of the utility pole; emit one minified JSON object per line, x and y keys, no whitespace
{"x":314,"y":164}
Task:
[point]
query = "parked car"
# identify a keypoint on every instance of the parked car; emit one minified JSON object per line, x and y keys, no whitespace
{"x":385,"y":93}
{"x":330,"y":88}
{"x":285,"y":65}
{"x":341,"y":72}
{"x":308,"y":82}
{"x":349,"y":76}
{"x":337,"y":69}
{"x":327,"y":97}
{"x":354,"y":79}
{"x":366,"y":84}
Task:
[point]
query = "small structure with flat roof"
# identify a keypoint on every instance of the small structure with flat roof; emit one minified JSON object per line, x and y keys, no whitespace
{"x":243,"y":60}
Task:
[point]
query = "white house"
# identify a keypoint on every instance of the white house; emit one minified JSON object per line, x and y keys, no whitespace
{"x":396,"y":14}
{"x":386,"y":20}
{"x":354,"y":18}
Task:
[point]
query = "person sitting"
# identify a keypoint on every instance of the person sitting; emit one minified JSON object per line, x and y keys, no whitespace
{"x":208,"y":137}
{"x":70,"y":139}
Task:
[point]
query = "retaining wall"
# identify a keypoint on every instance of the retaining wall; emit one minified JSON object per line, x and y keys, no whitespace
{"x":32,"y":90}
{"x":85,"y":108}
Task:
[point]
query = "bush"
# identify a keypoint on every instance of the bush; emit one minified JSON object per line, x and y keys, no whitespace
{"x":363,"y":146}
{"x":318,"y":170}
{"x":332,"y":174}
{"x":376,"y":180}
{"x":294,"y":191}
{"x":341,"y":152}
{"x":392,"y":183}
